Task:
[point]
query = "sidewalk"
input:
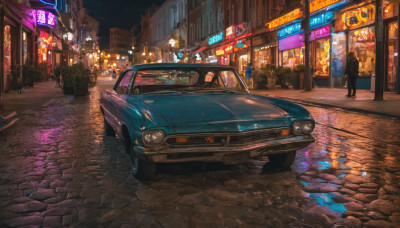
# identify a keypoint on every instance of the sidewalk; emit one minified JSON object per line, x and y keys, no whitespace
{"x":364,"y":102}
{"x":31,"y":99}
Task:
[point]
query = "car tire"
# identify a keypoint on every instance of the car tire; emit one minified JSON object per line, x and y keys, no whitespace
{"x":282,"y":160}
{"x":141,"y":168}
{"x":108,"y":130}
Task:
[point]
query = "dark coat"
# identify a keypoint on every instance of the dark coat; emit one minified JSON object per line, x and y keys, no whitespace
{"x":352,"y":68}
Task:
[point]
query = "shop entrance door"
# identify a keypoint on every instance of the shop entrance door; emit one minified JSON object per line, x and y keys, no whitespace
{"x":242,"y":64}
{"x":391,"y":55}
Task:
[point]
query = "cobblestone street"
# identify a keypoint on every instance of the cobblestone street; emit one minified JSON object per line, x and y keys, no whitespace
{"x":57,"y":169}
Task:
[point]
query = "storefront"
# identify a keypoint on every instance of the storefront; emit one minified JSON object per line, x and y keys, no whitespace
{"x":264,"y":50}
{"x":391,"y":13}
{"x":355,"y":29}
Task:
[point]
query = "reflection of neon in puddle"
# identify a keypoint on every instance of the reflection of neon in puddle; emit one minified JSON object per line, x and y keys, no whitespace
{"x":323,"y":165}
{"x":46,"y":136}
{"x":325,"y":199}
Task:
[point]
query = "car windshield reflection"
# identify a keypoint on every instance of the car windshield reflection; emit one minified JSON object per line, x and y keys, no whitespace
{"x":166,"y":81}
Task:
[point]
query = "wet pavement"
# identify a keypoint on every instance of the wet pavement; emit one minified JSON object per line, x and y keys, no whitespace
{"x":57,"y":169}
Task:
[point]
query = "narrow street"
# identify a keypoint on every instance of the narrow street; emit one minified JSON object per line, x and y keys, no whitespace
{"x":57,"y":169}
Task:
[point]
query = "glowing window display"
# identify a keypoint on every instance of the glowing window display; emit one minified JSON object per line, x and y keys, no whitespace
{"x":263,"y":56}
{"x":7,"y":49}
{"x":322,"y":52}
{"x":362,"y":43}
{"x":293,"y":57}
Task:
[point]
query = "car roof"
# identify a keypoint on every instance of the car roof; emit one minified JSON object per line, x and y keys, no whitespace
{"x":178,"y":65}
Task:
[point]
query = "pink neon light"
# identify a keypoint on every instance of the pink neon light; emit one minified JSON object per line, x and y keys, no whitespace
{"x":41,"y":17}
{"x":51,"y":19}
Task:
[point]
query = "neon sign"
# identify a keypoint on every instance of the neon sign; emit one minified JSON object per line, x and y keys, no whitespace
{"x":216,"y":38}
{"x":295,"y":14}
{"x":230,"y":32}
{"x":356,"y":18}
{"x":321,"y":19}
{"x":44,"y":17}
{"x":228,"y":49}
{"x":320,"y":4}
{"x":219,"y":52}
{"x":289,"y":31}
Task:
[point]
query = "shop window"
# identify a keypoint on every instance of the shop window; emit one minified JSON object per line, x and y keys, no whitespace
{"x":322,"y":50}
{"x":362,"y":43}
{"x":392,"y":55}
{"x":263,"y":56}
{"x":7,"y":49}
{"x":338,"y":58}
{"x":293,"y":57}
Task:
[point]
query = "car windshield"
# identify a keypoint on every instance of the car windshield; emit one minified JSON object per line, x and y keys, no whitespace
{"x":187,"y":80}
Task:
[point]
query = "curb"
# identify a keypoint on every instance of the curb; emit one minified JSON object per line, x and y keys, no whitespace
{"x":8,"y":121}
{"x":359,"y":110}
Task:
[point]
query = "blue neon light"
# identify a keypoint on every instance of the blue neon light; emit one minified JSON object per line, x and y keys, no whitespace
{"x":289,"y":31}
{"x":48,"y":2}
{"x":321,"y":19}
{"x":216,"y":38}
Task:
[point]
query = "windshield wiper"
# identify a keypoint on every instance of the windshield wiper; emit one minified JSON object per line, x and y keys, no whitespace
{"x":162,"y":91}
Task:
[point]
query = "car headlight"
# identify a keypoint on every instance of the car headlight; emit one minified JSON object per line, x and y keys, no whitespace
{"x":297,"y":128}
{"x":301,"y":127}
{"x":308,"y":127}
{"x":153,"y":137}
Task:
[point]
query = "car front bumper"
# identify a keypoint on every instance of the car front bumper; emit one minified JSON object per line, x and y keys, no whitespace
{"x":224,"y":154}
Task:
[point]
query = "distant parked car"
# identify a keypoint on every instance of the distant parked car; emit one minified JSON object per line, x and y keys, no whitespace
{"x":169,"y":113}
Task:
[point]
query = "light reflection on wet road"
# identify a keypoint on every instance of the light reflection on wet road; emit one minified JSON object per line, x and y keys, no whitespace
{"x":74,"y":175}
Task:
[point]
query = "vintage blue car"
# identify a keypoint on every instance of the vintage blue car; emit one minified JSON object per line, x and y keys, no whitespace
{"x":169,"y":113}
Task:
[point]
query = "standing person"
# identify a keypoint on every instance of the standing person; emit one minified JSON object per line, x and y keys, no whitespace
{"x":249,"y":76}
{"x":352,"y":74}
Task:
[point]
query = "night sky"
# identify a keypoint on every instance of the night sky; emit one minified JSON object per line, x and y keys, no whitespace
{"x":117,"y":13}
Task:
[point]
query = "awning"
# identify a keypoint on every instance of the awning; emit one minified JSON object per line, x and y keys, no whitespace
{"x":200,"y":49}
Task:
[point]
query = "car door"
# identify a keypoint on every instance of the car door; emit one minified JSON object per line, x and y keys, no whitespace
{"x":117,"y":101}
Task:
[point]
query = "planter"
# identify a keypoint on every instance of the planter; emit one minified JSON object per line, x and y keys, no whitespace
{"x":82,"y":86}
{"x":260,"y":84}
{"x":271,"y":83}
{"x":68,"y":89}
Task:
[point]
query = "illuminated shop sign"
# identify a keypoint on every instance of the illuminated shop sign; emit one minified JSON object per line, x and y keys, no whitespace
{"x":216,"y":38}
{"x":321,"y":19}
{"x":228,"y":49}
{"x":356,"y":18}
{"x":219,"y":52}
{"x":44,"y":17}
{"x":230,"y":31}
{"x":289,"y":31}
{"x":320,"y":4}
{"x":295,"y":14}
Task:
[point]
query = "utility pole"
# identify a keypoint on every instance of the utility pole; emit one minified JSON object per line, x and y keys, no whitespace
{"x":187,"y":30}
{"x":379,"y":69}
{"x":2,"y":53}
{"x":306,"y":24}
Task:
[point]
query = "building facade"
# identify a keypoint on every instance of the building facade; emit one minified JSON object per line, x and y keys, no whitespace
{"x":120,"y":41}
{"x":237,"y":32}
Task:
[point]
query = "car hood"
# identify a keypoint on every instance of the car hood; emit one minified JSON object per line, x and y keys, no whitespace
{"x":173,"y":109}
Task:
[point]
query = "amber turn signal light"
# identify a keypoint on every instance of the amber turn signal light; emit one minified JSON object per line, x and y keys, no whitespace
{"x":285,"y":132}
{"x":181,"y":140}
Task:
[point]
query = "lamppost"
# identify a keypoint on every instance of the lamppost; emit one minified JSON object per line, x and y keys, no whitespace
{"x":306,"y":24}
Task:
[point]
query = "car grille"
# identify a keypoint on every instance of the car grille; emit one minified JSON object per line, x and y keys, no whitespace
{"x":225,"y":139}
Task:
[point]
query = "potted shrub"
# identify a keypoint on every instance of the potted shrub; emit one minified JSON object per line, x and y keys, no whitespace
{"x":81,"y":79}
{"x":260,"y":79}
{"x":68,"y":80}
{"x":269,"y":71}
{"x":283,"y":76}
{"x":299,"y":81}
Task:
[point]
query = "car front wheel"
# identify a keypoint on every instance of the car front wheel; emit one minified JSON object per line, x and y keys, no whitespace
{"x":282,"y":160}
{"x":141,"y":168}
